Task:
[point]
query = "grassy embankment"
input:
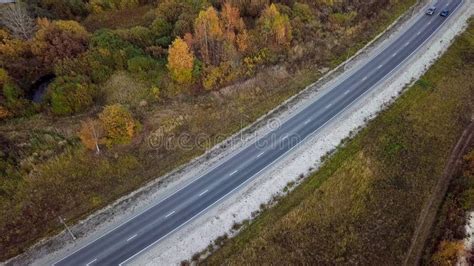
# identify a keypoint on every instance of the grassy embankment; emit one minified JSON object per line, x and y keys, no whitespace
{"x":361,"y":207}
{"x":76,"y":183}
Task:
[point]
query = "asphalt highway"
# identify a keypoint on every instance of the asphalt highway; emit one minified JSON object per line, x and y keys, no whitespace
{"x":123,"y":243}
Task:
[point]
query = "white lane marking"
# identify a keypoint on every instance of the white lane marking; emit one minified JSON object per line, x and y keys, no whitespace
{"x":429,"y":22}
{"x":364,"y":78}
{"x":302,"y":141}
{"x":132,"y":237}
{"x":347,"y":92}
{"x":169,"y":214}
{"x":307,"y":121}
{"x":394,"y":54}
{"x":89,"y":263}
{"x":285,"y":137}
{"x":233,"y":173}
{"x":406,"y":44}
{"x":204,"y":192}
{"x":418,"y":33}
{"x":379,"y":67}
{"x":329,"y":105}
{"x":258,"y":156}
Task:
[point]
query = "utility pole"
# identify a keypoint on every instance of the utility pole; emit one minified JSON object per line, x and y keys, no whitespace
{"x":67,"y":227}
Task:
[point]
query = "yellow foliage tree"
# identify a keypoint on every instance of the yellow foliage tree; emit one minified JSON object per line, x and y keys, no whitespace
{"x":119,"y":124}
{"x":275,"y":27}
{"x":91,"y":133}
{"x":208,"y":34}
{"x":180,"y":61}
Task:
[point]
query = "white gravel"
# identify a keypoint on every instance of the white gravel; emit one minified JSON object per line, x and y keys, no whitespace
{"x":201,"y":232}
{"x":196,"y":235}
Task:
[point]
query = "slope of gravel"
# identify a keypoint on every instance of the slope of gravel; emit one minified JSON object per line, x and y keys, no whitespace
{"x":198,"y":234}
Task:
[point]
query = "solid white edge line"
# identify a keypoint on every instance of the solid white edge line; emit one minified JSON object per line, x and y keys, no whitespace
{"x":169,"y":214}
{"x":302,"y":141}
{"x":424,"y":42}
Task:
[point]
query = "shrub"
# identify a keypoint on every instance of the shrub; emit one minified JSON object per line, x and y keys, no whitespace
{"x":119,"y":124}
{"x":139,"y":36}
{"x":70,"y":95}
{"x":140,"y":64}
{"x":161,"y":28}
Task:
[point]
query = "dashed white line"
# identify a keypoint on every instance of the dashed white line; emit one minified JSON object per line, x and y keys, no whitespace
{"x":169,"y":214}
{"x":418,"y":33}
{"x":394,"y":54}
{"x":258,"y":156}
{"x":406,"y":44}
{"x":380,"y":66}
{"x":347,"y":91}
{"x":202,"y":193}
{"x":89,"y":263}
{"x":233,"y":173}
{"x":307,"y":121}
{"x":132,"y":237}
{"x":364,"y":78}
{"x":429,"y":22}
{"x":329,"y":105}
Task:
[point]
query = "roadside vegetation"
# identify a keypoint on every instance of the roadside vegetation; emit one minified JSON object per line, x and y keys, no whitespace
{"x":124,"y":77}
{"x":362,"y":206}
{"x":447,"y":240}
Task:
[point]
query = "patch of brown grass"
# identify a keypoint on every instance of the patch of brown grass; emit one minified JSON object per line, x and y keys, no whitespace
{"x":115,"y":19}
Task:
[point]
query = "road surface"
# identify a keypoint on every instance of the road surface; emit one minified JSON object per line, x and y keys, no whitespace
{"x":123,"y":243}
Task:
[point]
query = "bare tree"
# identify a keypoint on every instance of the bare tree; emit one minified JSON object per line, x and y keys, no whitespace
{"x":16,"y":18}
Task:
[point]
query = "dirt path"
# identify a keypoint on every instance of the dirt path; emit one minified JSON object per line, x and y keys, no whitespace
{"x":428,"y":213}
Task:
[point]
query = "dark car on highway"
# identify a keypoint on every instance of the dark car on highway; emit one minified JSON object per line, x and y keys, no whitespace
{"x":431,"y":11}
{"x":444,"y":13}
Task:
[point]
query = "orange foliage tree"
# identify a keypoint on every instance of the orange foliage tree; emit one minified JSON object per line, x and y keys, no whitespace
{"x":180,"y":61}
{"x":235,"y":31}
{"x":58,"y":40}
{"x":91,"y":133}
